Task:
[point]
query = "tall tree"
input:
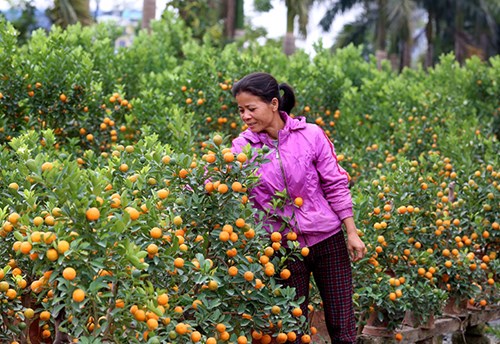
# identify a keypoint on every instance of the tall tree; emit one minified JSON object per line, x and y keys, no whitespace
{"x":475,"y":20}
{"x":148,"y":13}
{"x":295,"y":10}
{"x":466,"y":27}
{"x":401,"y":18}
{"x":384,"y":25}
{"x":240,"y":17}
{"x":433,"y":12}
{"x":230,"y":21}
{"x":488,"y":31}
{"x":381,"y":28}
{"x":202,"y":16}
{"x":233,"y":17}
{"x":373,"y":20}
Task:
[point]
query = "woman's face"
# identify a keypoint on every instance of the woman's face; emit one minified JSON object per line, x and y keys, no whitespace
{"x":257,"y":114}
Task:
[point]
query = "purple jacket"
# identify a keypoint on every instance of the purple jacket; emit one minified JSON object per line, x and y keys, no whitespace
{"x":303,"y":164}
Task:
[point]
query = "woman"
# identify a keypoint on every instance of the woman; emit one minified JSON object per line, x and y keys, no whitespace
{"x":301,"y":163}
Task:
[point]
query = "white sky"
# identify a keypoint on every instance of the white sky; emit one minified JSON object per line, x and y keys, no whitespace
{"x":274,"y":21}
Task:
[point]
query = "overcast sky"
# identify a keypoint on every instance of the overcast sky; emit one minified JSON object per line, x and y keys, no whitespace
{"x":274,"y":21}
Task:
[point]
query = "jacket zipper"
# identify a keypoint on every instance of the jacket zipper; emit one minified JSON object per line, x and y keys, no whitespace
{"x":287,"y":189}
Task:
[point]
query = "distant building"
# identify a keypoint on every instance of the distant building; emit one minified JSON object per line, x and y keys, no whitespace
{"x":127,"y":18}
{"x":121,"y":17}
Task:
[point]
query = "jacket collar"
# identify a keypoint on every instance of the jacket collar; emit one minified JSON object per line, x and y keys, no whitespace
{"x":291,"y":124}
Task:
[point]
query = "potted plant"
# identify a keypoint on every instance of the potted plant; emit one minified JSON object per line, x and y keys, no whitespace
{"x":425,"y":302}
{"x":382,"y":308}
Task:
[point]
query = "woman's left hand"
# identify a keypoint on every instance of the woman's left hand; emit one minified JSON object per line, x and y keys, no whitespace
{"x":355,"y":246}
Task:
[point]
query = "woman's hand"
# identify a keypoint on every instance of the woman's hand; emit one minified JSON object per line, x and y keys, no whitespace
{"x":355,"y":245}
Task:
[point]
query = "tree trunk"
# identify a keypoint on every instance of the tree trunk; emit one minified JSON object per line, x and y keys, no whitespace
{"x":380,"y":55}
{"x":381,"y":25}
{"x":289,"y":44}
{"x":484,"y":46}
{"x":395,"y":60}
{"x":459,"y":35}
{"x":406,"y":53}
{"x":289,"y":40}
{"x":148,"y":13}
{"x":69,"y":12}
{"x":82,"y":10}
{"x":240,"y":18}
{"x":429,"y":35}
{"x":381,"y":33}
{"x":60,"y":337}
{"x":230,"y":19}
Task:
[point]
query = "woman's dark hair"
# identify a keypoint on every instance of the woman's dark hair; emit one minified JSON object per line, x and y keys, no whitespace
{"x":265,"y":86}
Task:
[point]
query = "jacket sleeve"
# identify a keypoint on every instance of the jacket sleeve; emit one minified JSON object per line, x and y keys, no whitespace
{"x":333,"y":178}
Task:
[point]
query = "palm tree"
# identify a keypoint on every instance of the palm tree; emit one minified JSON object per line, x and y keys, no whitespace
{"x":230,"y":19}
{"x":466,"y":27}
{"x":234,"y":18}
{"x":240,"y":17}
{"x":373,"y":19}
{"x":433,"y":9}
{"x":490,"y":38}
{"x":295,"y":9}
{"x":381,"y":28}
{"x":400,"y":18}
{"x":148,"y":13}
{"x":474,"y":22}
{"x":463,"y":26}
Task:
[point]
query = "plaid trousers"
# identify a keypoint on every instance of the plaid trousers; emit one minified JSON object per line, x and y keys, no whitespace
{"x":330,"y":265}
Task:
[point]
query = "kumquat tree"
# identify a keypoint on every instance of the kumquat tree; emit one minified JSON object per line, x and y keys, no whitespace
{"x":125,"y":217}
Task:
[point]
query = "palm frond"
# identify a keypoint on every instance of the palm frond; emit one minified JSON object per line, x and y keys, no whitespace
{"x":356,"y":32}
{"x":491,"y":14}
{"x":337,"y":8}
{"x":400,"y":16}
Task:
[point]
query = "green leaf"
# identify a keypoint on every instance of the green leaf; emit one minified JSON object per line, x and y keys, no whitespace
{"x":18,"y":236}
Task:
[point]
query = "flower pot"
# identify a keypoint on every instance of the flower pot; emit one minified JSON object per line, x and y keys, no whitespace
{"x":456,"y":306}
{"x":412,"y":320}
{"x":376,"y":326}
